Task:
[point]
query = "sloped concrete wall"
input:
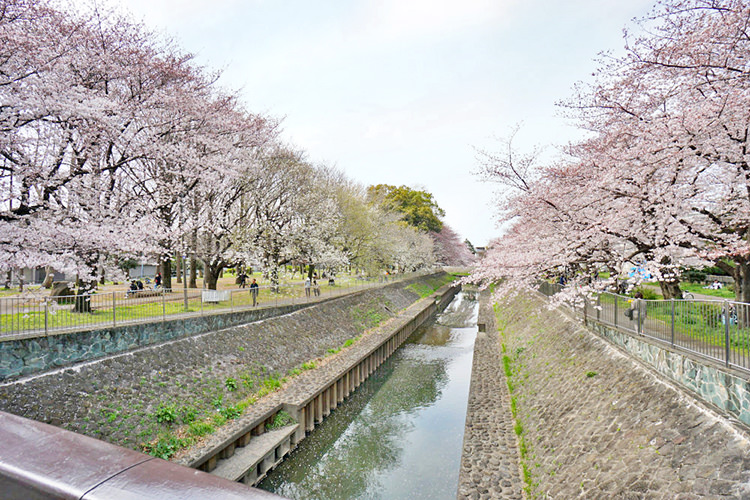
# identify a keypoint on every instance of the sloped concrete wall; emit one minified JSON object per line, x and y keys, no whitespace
{"x":117,"y":397}
{"x":594,"y":423}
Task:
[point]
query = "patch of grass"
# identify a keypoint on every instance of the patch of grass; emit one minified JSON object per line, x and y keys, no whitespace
{"x":310,"y":365}
{"x":200,"y":429}
{"x":281,"y":419}
{"x":166,"y":414}
{"x":230,"y":384}
{"x":590,"y":374}
{"x":188,"y":414}
{"x":231,"y":412}
{"x":506,"y":367}
{"x":166,"y":446}
{"x":369,"y":315}
{"x":421,"y":289}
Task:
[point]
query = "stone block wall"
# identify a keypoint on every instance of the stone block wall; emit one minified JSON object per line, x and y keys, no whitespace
{"x":730,"y":392}
{"x":118,"y":397}
{"x":32,"y":355}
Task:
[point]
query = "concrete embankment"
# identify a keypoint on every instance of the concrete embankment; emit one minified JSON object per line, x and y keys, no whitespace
{"x":490,"y":461}
{"x":144,"y":395}
{"x":592,"y":422}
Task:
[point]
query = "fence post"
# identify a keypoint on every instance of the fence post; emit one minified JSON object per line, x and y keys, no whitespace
{"x":164,"y":304}
{"x":672,"y":326}
{"x":114,"y":309}
{"x":231,"y":301}
{"x":726,"y":332}
{"x":46,"y":316}
{"x":598,"y":307}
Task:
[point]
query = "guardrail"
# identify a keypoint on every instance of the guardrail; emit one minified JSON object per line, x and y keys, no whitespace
{"x":33,"y":315}
{"x":714,"y":329}
{"x":40,"y":461}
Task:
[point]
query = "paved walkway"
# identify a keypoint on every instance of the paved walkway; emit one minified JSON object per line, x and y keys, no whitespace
{"x":490,"y":461}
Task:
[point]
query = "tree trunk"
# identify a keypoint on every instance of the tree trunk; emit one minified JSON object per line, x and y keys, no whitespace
{"x":212,"y":273}
{"x":166,"y":273}
{"x":178,"y":267}
{"x":193,"y":283}
{"x":83,"y":296}
{"x":670,"y":289}
{"x":49,"y":277}
{"x":741,"y":274}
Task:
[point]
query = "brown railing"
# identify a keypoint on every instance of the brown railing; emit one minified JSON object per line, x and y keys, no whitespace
{"x":42,"y":462}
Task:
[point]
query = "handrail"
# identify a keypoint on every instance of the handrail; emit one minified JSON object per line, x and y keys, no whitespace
{"x":711,"y":328}
{"x":39,"y":461}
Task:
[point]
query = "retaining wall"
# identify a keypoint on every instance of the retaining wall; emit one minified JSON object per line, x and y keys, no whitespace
{"x":20,"y":355}
{"x":25,"y":356}
{"x":245,"y":452}
{"x":118,"y":398}
{"x":728,"y":391}
{"x":594,"y":423}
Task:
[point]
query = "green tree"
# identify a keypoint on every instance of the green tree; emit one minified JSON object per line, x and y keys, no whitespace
{"x":470,"y":246}
{"x":416,"y":208}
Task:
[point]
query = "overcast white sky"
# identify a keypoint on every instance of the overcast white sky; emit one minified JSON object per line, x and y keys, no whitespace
{"x":402,"y":91}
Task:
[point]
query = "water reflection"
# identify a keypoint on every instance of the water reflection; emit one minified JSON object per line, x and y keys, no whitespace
{"x":400,"y":434}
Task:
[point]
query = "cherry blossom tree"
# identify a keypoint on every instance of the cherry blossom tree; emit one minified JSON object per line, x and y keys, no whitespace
{"x":662,"y":180}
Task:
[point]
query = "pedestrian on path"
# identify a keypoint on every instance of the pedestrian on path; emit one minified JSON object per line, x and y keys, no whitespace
{"x":307,"y":287}
{"x":254,"y":292}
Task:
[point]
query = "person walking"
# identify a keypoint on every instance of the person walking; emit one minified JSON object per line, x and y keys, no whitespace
{"x":157,"y":280}
{"x":307,"y":287}
{"x":316,"y":288}
{"x":254,"y":292}
{"x":638,"y":313}
{"x":243,"y":279}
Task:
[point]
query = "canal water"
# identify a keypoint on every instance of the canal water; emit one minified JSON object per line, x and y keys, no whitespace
{"x":400,"y":435}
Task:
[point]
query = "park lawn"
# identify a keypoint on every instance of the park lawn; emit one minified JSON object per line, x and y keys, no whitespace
{"x":724,"y":293}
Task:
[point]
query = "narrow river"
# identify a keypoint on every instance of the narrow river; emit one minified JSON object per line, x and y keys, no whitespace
{"x":400,"y":434}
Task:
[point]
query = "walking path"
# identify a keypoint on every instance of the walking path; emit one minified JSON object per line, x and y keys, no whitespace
{"x":490,"y":461}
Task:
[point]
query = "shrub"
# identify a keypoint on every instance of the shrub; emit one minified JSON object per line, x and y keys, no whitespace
{"x":166,"y":414}
{"x":230,"y":384}
{"x":281,"y":419}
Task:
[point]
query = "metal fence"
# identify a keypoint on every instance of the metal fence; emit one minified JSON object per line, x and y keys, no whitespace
{"x":715,"y":329}
{"x":35,"y":315}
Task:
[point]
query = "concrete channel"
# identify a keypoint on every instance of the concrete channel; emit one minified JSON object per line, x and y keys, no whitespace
{"x":249,"y":452}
